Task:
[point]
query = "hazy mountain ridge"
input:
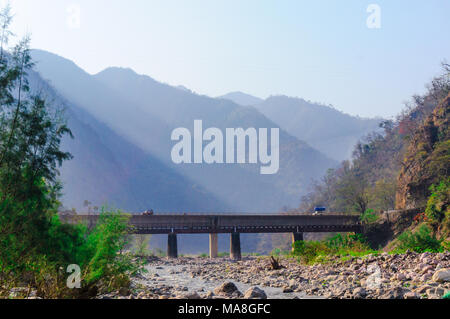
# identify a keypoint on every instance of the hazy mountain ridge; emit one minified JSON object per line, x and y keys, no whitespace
{"x":144,"y":112}
{"x":331,"y":131}
{"x":298,"y":161}
{"x":107,"y":169}
{"x":241,"y":98}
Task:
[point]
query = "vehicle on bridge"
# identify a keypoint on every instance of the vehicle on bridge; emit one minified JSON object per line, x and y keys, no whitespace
{"x":148,"y":213}
{"x":319,"y":210}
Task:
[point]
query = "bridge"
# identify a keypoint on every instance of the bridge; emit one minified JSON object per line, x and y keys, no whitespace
{"x":233,"y":224}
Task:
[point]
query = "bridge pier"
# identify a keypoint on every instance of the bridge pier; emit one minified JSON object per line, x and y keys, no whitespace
{"x":296,"y":237}
{"x":213,"y":245}
{"x":235,"y":246}
{"x":172,"y":247}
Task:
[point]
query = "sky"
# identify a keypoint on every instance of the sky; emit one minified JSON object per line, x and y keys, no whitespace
{"x":364,"y":60}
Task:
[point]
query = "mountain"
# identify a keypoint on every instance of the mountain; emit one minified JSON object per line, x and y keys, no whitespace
{"x":107,"y":169}
{"x":427,"y":159}
{"x":327,"y":129}
{"x":143,"y":112}
{"x":299,"y":163}
{"x":241,"y":98}
{"x":396,"y":169}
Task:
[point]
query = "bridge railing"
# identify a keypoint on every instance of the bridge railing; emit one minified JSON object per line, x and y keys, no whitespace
{"x":233,"y":223}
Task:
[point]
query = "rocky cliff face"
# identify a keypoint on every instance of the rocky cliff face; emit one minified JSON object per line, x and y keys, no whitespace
{"x":427,"y":160}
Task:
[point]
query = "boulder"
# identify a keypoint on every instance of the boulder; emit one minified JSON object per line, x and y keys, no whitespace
{"x":287,"y":290}
{"x":124,"y":292}
{"x":400,"y":277}
{"x":209,"y":295}
{"x":411,"y":295}
{"x":227,"y":289}
{"x":191,"y":295}
{"x":442,"y":275}
{"x":359,"y":293}
{"x":255,"y":293}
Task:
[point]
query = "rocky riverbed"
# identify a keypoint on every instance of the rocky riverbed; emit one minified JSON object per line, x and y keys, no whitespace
{"x":408,"y":276}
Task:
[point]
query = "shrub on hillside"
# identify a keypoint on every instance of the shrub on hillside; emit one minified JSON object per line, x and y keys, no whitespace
{"x":438,"y":209}
{"x":369,"y":216}
{"x":438,"y":201}
{"x":420,"y":241}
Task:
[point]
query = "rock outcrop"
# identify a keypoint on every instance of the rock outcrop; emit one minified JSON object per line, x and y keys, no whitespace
{"x":426,"y":160}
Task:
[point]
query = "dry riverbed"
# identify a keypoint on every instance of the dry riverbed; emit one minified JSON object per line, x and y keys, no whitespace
{"x":408,"y":276}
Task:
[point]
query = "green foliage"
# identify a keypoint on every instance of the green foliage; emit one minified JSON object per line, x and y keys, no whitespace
{"x":422,"y":240}
{"x":105,"y":244}
{"x":340,"y":241}
{"x":369,"y":180}
{"x":98,"y":252}
{"x":35,"y":246}
{"x":276,"y":252}
{"x":438,"y":202}
{"x":382,"y":194}
{"x":310,"y":252}
{"x":369,"y":216}
{"x":446,"y":296}
{"x":446,"y":245}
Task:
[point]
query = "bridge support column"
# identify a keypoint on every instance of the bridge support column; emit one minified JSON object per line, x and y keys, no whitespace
{"x":172,"y":247}
{"x":235,"y":246}
{"x":296,"y":237}
{"x":213,"y":245}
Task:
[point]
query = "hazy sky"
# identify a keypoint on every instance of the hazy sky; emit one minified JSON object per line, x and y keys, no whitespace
{"x":318,"y":50}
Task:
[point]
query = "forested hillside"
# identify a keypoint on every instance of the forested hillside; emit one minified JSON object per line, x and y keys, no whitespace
{"x":397,"y":167}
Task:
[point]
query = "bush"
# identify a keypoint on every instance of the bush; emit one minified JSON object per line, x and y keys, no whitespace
{"x":347,"y":241}
{"x":35,"y":247}
{"x":420,"y":241}
{"x":369,"y":216}
{"x":438,"y":202}
{"x":311,"y":252}
{"x":98,"y":252}
{"x":105,"y":260}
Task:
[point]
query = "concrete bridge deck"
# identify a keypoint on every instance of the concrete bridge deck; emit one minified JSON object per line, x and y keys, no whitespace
{"x":233,"y":224}
{"x":207,"y":224}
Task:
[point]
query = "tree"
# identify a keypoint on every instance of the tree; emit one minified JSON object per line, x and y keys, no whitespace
{"x":352,"y":191}
{"x":30,"y":137}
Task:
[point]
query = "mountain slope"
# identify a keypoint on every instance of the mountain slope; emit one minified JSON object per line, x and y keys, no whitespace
{"x":427,"y":160}
{"x":330,"y":131}
{"x":299,"y":163}
{"x":241,"y":98}
{"x":108,"y":169}
{"x":144,"y":112}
